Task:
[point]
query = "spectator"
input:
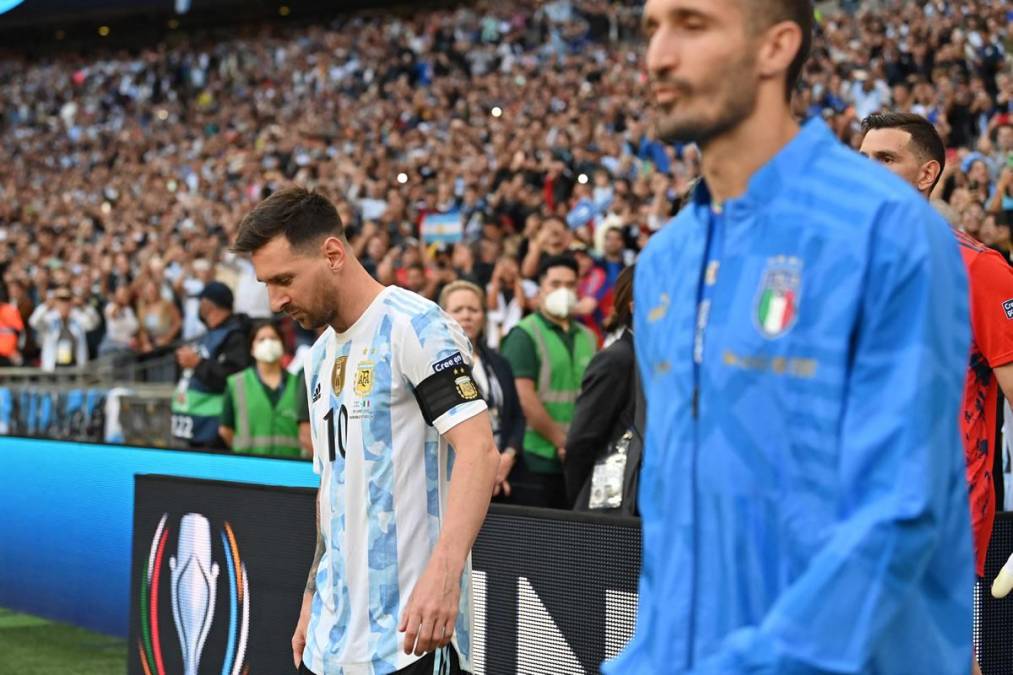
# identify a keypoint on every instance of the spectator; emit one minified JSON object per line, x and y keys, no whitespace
{"x":604,"y":419}
{"x":61,"y":325}
{"x":265,"y":410}
{"x":116,"y":162}
{"x":11,"y":330}
{"x":552,"y":240}
{"x":222,"y":351}
{"x":121,"y":325}
{"x":507,"y":296}
{"x":159,"y":319}
{"x":591,"y":290}
{"x":548,"y":352}
{"x":493,"y":377}
{"x":188,"y":286}
{"x":1002,"y":197}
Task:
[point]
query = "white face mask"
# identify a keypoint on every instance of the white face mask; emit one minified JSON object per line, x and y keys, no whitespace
{"x":560,"y":302}
{"x":268,"y":351}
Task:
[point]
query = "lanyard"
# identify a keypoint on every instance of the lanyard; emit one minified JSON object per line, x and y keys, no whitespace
{"x":712,"y":264}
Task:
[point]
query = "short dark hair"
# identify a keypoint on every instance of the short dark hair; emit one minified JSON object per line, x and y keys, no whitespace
{"x":801,"y":12}
{"x":565,"y":260}
{"x":302,"y":216}
{"x":257,"y":325}
{"x":925,"y":140}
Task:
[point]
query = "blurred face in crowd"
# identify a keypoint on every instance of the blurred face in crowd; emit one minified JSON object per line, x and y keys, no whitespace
{"x":122,"y":296}
{"x":989,"y":234}
{"x":63,"y":308}
{"x":701,"y":62}
{"x":892,"y":148}
{"x":151,"y":293}
{"x":376,"y":249}
{"x":509,"y":270}
{"x":415,"y":279}
{"x":614,"y":243}
{"x":1004,"y":138}
{"x":971,"y":220}
{"x":978,"y":174}
{"x":556,"y":236}
{"x":300,"y":281}
{"x":466,"y":308}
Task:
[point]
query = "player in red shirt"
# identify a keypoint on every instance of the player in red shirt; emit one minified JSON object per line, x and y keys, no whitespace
{"x":910,"y":147}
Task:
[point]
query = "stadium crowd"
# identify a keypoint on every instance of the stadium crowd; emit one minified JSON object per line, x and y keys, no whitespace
{"x":126,"y":174}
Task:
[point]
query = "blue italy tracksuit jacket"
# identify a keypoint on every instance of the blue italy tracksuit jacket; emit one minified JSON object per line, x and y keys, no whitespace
{"x":803,"y":351}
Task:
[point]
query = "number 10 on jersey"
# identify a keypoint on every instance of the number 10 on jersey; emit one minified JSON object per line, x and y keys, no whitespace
{"x":341,"y":433}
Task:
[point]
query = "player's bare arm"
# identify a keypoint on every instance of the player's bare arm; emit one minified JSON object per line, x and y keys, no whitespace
{"x":299,"y":637}
{"x":429,"y":617}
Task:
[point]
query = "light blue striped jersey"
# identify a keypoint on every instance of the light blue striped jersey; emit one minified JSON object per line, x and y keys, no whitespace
{"x":803,"y":351}
{"x":384,"y":475}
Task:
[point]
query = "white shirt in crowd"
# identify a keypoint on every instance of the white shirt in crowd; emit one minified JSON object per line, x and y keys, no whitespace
{"x":121,"y":325}
{"x":500,"y":321}
{"x":59,"y":346}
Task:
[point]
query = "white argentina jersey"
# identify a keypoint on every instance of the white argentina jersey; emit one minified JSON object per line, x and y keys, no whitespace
{"x":384,"y":474}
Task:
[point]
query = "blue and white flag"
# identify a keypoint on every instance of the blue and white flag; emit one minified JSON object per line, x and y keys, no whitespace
{"x":442,"y":227}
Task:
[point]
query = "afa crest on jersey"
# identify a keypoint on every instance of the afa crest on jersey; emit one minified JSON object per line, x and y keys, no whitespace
{"x":364,"y":378}
{"x":777,"y":300}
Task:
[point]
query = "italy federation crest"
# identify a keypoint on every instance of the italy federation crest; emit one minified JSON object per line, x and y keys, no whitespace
{"x":777,"y":300}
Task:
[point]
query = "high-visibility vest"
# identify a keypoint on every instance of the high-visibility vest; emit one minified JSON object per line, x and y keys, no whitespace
{"x":263,"y":428}
{"x":196,"y":406}
{"x":559,"y":378}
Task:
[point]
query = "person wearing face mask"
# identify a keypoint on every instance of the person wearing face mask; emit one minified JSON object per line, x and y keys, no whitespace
{"x":265,"y":405}
{"x":549,"y":352}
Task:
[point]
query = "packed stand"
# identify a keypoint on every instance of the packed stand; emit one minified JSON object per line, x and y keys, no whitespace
{"x":505,"y":146}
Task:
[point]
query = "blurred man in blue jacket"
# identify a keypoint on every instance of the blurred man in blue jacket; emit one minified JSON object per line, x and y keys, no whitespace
{"x":802,"y":333}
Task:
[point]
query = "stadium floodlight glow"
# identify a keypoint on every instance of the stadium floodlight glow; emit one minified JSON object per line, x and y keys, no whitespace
{"x":103,"y":31}
{"x":496,"y":111}
{"x":402,"y":178}
{"x":582,"y":179}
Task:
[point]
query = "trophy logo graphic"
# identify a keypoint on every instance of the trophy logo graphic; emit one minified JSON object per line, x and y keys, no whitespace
{"x":193,"y":579}
{"x":194,"y":586}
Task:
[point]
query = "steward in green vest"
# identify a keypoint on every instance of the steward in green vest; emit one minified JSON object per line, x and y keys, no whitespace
{"x":264,"y":404}
{"x":550,"y":353}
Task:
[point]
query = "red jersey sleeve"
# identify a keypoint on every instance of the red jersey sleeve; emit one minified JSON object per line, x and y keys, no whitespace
{"x":992,"y":308}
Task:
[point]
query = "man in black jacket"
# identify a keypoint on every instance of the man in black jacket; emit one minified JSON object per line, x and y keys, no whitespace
{"x":222,"y":351}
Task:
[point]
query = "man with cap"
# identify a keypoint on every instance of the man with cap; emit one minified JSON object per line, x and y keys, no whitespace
{"x":60,"y":325}
{"x":222,"y":351}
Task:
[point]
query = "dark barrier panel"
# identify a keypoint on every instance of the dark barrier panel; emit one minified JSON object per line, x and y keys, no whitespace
{"x":217,"y":576}
{"x":993,"y":625}
{"x":218,"y":572}
{"x":554,"y":592}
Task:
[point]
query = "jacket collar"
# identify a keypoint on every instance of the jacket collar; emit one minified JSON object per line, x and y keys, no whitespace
{"x":772,"y":178}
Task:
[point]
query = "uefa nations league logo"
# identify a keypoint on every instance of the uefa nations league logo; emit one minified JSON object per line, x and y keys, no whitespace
{"x":193,"y":577}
